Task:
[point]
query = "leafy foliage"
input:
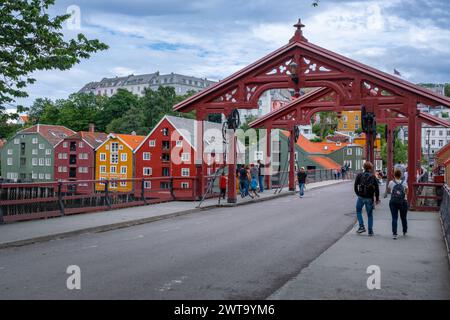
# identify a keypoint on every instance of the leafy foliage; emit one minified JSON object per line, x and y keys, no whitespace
{"x":30,"y":41}
{"x":124,"y":112}
{"x":326,"y":124}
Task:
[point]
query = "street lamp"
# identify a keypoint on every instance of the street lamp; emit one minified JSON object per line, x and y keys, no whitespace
{"x":428,"y":142}
{"x":293,"y":69}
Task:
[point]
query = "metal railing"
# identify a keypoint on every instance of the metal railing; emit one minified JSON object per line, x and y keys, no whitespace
{"x":314,"y":175}
{"x":28,"y":201}
{"x":427,"y":196}
{"x":445,"y":216}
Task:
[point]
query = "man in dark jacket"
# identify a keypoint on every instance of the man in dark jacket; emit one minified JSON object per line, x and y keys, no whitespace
{"x":261,"y":176}
{"x":301,"y":179}
{"x":366,"y":188}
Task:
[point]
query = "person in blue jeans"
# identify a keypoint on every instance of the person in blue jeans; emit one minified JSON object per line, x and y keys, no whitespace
{"x":301,"y":179}
{"x":261,"y":176}
{"x":366,"y":188}
{"x":243,"y":181}
{"x":398,"y":203}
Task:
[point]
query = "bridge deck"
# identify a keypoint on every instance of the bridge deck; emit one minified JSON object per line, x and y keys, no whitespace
{"x":412,"y":267}
{"x":47,"y":229}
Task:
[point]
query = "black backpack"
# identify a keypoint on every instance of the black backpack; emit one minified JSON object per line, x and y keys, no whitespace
{"x":365,"y":185}
{"x":398,"y":193}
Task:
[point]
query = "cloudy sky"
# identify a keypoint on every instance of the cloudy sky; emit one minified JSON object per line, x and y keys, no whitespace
{"x":214,"y":38}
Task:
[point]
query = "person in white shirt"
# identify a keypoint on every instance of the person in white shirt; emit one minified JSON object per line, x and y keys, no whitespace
{"x":398,"y":188}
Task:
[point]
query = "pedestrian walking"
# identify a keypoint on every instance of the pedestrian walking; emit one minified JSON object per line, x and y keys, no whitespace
{"x":398,"y":203}
{"x":254,"y":178}
{"x":261,"y":176}
{"x":243,"y":181}
{"x":343,"y":172}
{"x":366,"y":188}
{"x":301,"y":180}
{"x":223,"y":185}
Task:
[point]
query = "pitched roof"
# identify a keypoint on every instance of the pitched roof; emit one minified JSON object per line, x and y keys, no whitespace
{"x":24,"y":118}
{"x":319,"y":147}
{"x":94,"y":138}
{"x":133,"y":141}
{"x":52,"y":133}
{"x":439,"y":155}
{"x":310,"y":49}
{"x":187,"y":128}
{"x":325,"y":162}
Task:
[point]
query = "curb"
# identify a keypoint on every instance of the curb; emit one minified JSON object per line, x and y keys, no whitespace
{"x":131,"y":223}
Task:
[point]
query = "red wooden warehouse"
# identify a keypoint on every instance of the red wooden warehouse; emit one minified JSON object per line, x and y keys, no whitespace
{"x":75,"y":159}
{"x":168,"y":153}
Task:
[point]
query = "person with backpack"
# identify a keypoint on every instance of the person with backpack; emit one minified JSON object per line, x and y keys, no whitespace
{"x":398,"y":203}
{"x":366,"y":188}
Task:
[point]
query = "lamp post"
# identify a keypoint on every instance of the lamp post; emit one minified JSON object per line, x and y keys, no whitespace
{"x":293,"y":70}
{"x":428,"y":142}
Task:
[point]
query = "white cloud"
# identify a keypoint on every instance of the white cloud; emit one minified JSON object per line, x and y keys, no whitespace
{"x":217,"y":39}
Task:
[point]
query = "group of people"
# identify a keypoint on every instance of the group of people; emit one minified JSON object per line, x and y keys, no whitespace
{"x":251,"y":179}
{"x":367,"y":189}
{"x":342,"y":172}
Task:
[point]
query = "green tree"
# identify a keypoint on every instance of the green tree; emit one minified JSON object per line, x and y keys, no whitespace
{"x":132,"y":120}
{"x":31,"y":40}
{"x":115,"y":107}
{"x":326,"y":124}
{"x":246,"y":125}
{"x":400,"y":152}
{"x":37,"y":109}
{"x":158,"y":103}
{"x":79,"y":110}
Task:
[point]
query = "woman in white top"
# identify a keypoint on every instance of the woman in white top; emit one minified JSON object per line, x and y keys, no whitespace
{"x":398,"y":189}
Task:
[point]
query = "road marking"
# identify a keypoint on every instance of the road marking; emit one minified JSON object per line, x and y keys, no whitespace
{"x":170,"y":229}
{"x":135,"y":238}
{"x":89,"y":247}
{"x":169,"y":285}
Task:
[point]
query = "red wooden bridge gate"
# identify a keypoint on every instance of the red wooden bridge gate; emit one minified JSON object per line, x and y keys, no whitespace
{"x":340,"y":84}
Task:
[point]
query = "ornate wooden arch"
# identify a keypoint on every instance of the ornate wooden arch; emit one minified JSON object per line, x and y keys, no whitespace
{"x":353,"y":84}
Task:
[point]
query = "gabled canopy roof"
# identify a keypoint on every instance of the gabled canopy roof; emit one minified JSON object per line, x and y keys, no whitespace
{"x":275,"y":115}
{"x":52,"y":133}
{"x":300,"y":44}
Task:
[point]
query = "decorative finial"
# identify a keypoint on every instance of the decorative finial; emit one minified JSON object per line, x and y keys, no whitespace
{"x":298,"y":36}
{"x":299,"y":25}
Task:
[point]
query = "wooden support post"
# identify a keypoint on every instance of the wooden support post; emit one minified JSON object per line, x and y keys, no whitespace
{"x":143,"y":191}
{"x":419,"y":146}
{"x":268,"y":162}
{"x":390,"y":150}
{"x":60,"y":199}
{"x":231,"y":161}
{"x":412,"y":144}
{"x":199,"y":154}
{"x":292,"y":160}
{"x":107,"y":199}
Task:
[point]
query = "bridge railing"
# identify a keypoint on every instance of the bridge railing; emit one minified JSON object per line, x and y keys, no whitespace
{"x":314,"y":175}
{"x":427,"y":196}
{"x":445,"y":216}
{"x":28,"y":201}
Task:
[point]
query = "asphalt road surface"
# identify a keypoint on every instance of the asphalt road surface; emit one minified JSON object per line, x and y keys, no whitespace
{"x":245,"y":252}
